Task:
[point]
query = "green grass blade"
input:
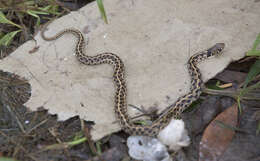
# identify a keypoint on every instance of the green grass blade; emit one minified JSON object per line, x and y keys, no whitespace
{"x":35,"y":14}
{"x":253,"y":72}
{"x":252,"y":87}
{"x":214,"y":86}
{"x":257,"y":42}
{"x":76,"y":142}
{"x":253,"y":53}
{"x":245,"y":91}
{"x":7,"y":38}
{"x":30,"y":3}
{"x":38,"y":12}
{"x":102,"y":10}
{"x":239,"y":104}
{"x":7,"y":159}
{"x":47,"y":8}
{"x":3,"y":19}
{"x":29,"y":12}
{"x":98,"y":146}
{"x":50,"y":9}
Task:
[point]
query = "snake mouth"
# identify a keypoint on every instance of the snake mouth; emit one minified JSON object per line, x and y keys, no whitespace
{"x":216,"y":49}
{"x":220,"y":46}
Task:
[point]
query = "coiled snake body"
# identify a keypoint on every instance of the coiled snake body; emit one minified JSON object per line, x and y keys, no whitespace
{"x":121,"y":91}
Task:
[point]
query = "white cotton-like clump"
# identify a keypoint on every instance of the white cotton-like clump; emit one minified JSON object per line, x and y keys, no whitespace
{"x":152,"y":149}
{"x":174,"y":135}
{"x":147,"y":149}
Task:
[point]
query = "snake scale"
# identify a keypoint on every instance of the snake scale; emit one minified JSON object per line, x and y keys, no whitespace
{"x":173,"y":111}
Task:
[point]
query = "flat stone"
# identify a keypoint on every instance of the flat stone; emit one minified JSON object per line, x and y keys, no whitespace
{"x":154,"y":39}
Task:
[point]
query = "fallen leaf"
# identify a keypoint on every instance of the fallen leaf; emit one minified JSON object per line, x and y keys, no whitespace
{"x":216,"y":138}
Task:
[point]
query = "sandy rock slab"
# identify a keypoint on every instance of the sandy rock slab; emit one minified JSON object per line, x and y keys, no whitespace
{"x":153,"y":38}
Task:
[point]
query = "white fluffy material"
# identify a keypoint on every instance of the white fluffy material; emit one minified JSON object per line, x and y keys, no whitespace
{"x":174,"y":135}
{"x":147,"y":149}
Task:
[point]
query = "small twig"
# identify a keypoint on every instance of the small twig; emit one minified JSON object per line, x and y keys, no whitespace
{"x":234,"y":94}
{"x":144,"y":112}
{"x":20,"y":146}
{"x":35,"y":48}
{"x":53,"y":133}
{"x":137,"y":108}
{"x":25,"y":30}
{"x":229,"y":93}
{"x":63,"y":145}
{"x":36,"y":126}
{"x":61,"y":5}
{"x":89,"y":140}
{"x":16,"y":118}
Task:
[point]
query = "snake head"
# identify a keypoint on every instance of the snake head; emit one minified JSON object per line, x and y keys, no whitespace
{"x":217,"y":49}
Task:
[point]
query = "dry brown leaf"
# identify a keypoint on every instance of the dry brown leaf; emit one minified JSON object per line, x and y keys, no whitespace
{"x":216,"y":138}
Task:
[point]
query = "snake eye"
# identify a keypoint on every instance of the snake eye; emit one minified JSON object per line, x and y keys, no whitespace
{"x":220,"y":50}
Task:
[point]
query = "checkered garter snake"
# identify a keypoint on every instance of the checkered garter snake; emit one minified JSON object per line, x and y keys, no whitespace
{"x":173,"y":111}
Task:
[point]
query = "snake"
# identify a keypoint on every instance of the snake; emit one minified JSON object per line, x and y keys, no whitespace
{"x":173,"y":112}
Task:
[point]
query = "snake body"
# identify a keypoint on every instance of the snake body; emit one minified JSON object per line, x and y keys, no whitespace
{"x":173,"y":111}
